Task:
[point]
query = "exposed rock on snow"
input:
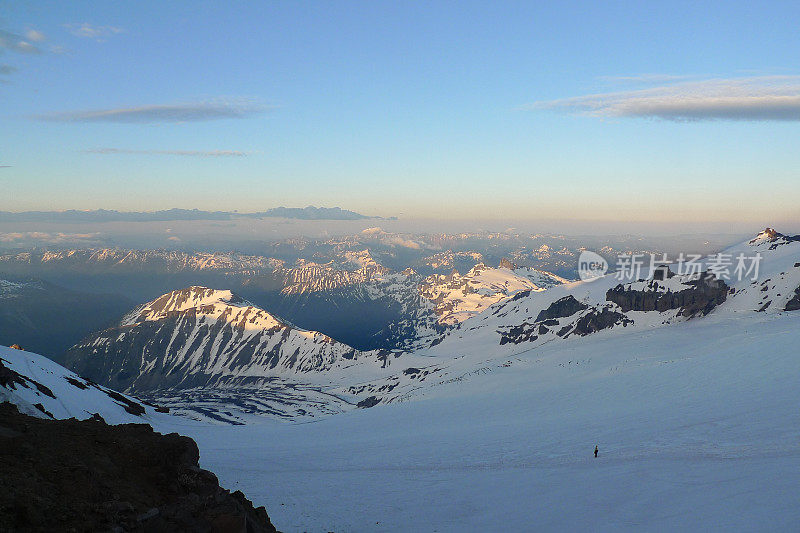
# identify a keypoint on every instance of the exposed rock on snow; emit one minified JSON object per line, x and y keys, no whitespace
{"x":564,"y":307}
{"x":691,"y":296}
{"x":595,"y":321}
{"x":794,"y":303}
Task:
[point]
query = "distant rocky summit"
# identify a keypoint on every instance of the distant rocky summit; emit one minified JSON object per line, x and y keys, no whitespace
{"x":773,"y":236}
{"x":70,"y":475}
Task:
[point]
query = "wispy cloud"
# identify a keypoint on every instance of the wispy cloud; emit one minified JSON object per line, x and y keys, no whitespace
{"x":153,"y":114}
{"x":17,"y":43}
{"x":647,"y":78}
{"x":188,"y":153}
{"x":35,"y":36}
{"x":88,"y":31}
{"x":6,"y":166}
{"x":764,"y":98}
{"x":13,"y":42}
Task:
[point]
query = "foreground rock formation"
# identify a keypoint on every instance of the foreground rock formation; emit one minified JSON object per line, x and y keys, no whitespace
{"x":70,"y":475}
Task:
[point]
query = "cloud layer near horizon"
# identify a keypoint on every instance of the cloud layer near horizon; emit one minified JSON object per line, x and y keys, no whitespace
{"x":765,"y":98}
{"x":153,"y":114}
{"x":187,"y":153}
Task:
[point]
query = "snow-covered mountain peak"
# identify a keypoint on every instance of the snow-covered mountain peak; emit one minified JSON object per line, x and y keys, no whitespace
{"x":200,"y":336}
{"x":768,"y":235}
{"x":201,"y":300}
{"x":773,"y":238}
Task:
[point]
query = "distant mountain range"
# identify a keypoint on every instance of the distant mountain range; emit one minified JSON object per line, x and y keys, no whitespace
{"x":212,"y":354}
{"x":105,"y":215}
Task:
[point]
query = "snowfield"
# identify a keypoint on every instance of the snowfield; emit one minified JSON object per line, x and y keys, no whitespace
{"x":698,"y":428}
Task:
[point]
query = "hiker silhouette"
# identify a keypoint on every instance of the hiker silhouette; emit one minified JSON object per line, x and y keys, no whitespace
{"x":595,"y":451}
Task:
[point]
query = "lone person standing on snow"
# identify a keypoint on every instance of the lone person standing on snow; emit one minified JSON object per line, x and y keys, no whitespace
{"x":595,"y":451}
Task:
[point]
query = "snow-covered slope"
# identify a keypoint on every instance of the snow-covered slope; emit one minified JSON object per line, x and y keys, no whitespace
{"x":608,"y":306}
{"x":778,"y":284}
{"x":40,"y":387}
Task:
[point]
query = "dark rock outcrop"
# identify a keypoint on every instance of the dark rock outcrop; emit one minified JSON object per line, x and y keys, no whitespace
{"x":769,"y":234}
{"x":700,"y":297}
{"x":69,"y":475}
{"x":599,"y":320}
{"x":595,"y":321}
{"x":794,"y":303}
{"x":507,"y":263}
{"x":370,"y":401}
{"x":547,"y":320}
{"x":566,"y":306}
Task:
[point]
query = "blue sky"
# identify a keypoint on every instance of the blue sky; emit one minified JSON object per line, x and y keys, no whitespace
{"x":485,"y":110}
